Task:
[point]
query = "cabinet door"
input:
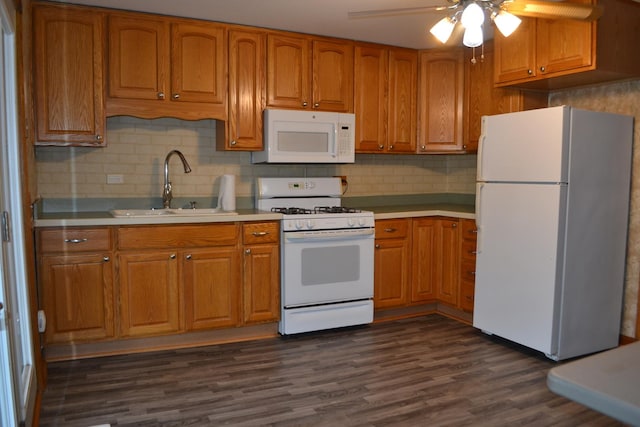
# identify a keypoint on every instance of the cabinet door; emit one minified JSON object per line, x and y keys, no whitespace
{"x":77,"y":297}
{"x":403,"y":72}
{"x":198,"y":63}
{"x":371,"y":81}
{"x":332,"y":71}
{"x":149,"y":293}
{"x":211,"y":287}
{"x":448,"y":259}
{"x":515,"y":56}
{"x":391,"y":263}
{"x":68,"y":50}
{"x":138,"y":58}
{"x":261,"y":283}
{"x":564,"y":45}
{"x":247,"y":62}
{"x":288,"y":71}
{"x":424,"y":269}
{"x":441,"y":98}
{"x":467,"y":264}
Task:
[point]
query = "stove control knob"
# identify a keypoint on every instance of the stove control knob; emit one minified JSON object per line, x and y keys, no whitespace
{"x":309,"y":224}
{"x":299,"y":224}
{"x":351,"y":222}
{"x":362,"y":222}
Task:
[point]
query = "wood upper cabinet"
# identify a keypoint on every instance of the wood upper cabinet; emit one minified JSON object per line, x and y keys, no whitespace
{"x":392,"y":261}
{"x":440,"y":121}
{"x":313,"y":73}
{"x":76,"y":284}
{"x":553,"y":54}
{"x":371,"y":97}
{"x":261,"y":287}
{"x":436,"y":260}
{"x":403,"y":83}
{"x":68,"y":79}
{"x":482,"y":98}
{"x":247,"y":61}
{"x":159,"y":67}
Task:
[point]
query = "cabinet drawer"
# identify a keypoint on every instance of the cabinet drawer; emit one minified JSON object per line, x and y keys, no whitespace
{"x":392,"y":229}
{"x":467,"y":293}
{"x":74,"y":239}
{"x":260,"y":232}
{"x":468,"y":270}
{"x":469,"y":229}
{"x":469,"y":250}
{"x":160,"y":237}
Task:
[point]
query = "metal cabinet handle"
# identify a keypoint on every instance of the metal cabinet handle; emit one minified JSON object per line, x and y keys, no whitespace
{"x":390,"y":230}
{"x":160,"y":95}
{"x":233,"y":142}
{"x":530,"y":72}
{"x":260,"y":233}
{"x":188,"y":256}
{"x":305,"y":103}
{"x":543,"y":69}
{"x":176,"y":96}
{"x":316,"y":105}
{"x":75,"y":240}
{"x":98,"y":137}
{"x":106,"y":259}
{"x":247,"y":251}
{"x":172,"y":256}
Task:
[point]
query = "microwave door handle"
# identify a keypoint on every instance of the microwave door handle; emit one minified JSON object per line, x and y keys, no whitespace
{"x":334,"y":153}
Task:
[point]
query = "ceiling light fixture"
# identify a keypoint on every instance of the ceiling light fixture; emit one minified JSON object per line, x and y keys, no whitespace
{"x":471,"y":16}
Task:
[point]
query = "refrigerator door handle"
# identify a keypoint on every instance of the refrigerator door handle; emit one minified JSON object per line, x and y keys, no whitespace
{"x":479,"y":188}
{"x":479,"y":174}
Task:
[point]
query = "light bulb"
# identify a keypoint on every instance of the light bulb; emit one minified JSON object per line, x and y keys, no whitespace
{"x":472,"y":36}
{"x":443,"y":29}
{"x":506,"y":22}
{"x":472,"y":16}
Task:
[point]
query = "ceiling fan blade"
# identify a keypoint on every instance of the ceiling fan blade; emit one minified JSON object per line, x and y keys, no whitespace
{"x":400,"y":11}
{"x":553,"y":9}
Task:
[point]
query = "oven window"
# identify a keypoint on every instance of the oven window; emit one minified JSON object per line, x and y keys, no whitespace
{"x":333,"y":264}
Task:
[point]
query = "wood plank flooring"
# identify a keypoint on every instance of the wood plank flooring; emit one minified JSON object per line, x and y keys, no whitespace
{"x":425,"y":371}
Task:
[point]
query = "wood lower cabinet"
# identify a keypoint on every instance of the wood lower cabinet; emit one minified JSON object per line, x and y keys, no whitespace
{"x":435,"y":260}
{"x":149,"y":292}
{"x":261,"y":287}
{"x":210,"y":279}
{"x":392,"y":261}
{"x":68,"y":67}
{"x":76,"y":284}
{"x":469,"y":233}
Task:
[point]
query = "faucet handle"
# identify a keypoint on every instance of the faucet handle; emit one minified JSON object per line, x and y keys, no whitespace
{"x":193,"y":204}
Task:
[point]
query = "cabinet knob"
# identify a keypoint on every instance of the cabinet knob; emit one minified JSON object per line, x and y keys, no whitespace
{"x":188,"y":256}
{"x":172,"y":256}
{"x":160,"y":95}
{"x":391,"y":147}
{"x":454,"y":225}
{"x":176,"y":96}
{"x":543,"y":69}
{"x":423,"y":147}
{"x":530,"y":72}
{"x":247,"y":251}
{"x":381,"y":146}
{"x":233,"y":142}
{"x":98,"y":137}
{"x":316,"y":105}
{"x":305,"y":103}
{"x":106,"y":259}
{"x":377,"y":246}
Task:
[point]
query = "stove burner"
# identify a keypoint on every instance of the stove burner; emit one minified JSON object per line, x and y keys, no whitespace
{"x":292,"y":211}
{"x":335,"y":209}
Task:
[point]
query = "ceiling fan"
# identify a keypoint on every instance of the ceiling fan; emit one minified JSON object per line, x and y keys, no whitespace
{"x":504,"y":13}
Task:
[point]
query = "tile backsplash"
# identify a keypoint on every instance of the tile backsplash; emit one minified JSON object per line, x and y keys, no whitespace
{"x":136,"y":149}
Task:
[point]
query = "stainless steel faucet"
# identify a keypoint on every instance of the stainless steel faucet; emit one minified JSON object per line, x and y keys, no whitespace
{"x":166,"y":192}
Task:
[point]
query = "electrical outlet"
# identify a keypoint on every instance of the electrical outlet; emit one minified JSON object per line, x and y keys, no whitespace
{"x":115,"y":179}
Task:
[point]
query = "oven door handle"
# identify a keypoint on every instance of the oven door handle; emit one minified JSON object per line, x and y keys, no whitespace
{"x":303,"y":236}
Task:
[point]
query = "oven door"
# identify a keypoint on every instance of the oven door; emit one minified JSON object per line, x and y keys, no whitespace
{"x":320,"y":267}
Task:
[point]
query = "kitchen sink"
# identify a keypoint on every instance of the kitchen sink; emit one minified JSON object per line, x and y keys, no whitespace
{"x":142,"y":213}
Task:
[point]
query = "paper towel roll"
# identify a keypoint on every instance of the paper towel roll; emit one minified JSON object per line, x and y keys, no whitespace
{"x":227,"y":196}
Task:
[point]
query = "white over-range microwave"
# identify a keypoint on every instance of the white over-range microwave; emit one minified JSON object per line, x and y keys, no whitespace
{"x":295,"y":136}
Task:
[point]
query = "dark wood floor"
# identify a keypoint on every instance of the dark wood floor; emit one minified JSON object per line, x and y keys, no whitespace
{"x":426,"y":371}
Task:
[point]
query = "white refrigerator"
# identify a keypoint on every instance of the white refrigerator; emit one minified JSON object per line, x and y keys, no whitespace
{"x":552,"y":207}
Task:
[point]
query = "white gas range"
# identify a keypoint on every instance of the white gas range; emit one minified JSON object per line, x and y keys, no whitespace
{"x":326,"y":254}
